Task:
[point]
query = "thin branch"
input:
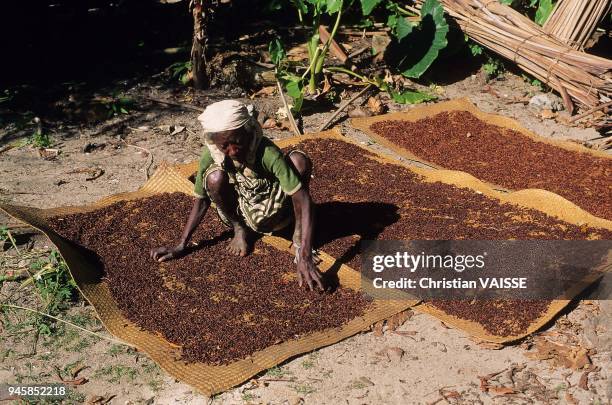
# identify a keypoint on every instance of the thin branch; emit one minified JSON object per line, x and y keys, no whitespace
{"x":261,"y":64}
{"x":182,"y":105}
{"x":591,"y":111}
{"x":343,"y":106}
{"x":10,"y":236}
{"x":289,"y":115}
{"x":150,"y":157}
{"x":359,"y":52}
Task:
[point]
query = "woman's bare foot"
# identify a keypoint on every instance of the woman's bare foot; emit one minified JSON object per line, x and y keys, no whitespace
{"x":238,"y":245}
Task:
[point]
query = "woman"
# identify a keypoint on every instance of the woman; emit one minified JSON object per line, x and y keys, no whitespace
{"x":253,"y":185}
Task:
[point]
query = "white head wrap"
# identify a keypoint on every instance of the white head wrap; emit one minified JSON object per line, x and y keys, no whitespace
{"x":224,"y":116}
{"x":227,"y":115}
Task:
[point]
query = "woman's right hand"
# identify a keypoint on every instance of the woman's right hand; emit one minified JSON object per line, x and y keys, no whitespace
{"x":163,"y":253}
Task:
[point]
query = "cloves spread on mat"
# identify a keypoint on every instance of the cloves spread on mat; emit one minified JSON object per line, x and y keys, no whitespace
{"x":458,"y":140}
{"x":217,"y":306}
{"x":361,"y":198}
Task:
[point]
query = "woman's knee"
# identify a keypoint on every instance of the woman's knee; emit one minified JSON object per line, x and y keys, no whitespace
{"x":216,"y":183}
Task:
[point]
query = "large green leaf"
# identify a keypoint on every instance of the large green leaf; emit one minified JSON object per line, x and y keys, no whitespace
{"x":294,"y":90}
{"x":544,"y":9}
{"x":410,"y":97}
{"x":399,"y":26}
{"x":368,"y":5}
{"x":420,"y":48}
{"x":333,"y":6}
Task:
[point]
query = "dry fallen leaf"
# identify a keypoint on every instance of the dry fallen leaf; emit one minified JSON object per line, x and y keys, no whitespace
{"x":548,"y":114}
{"x":94,"y":399}
{"x":265,"y":91}
{"x":450,"y":394}
{"x":584,"y":378}
{"x":101,"y":400}
{"x":270,"y":123}
{"x":398,"y":320}
{"x":177,"y":129}
{"x":375,"y":106}
{"x":573,"y":357}
{"x":74,"y":371}
{"x":94,"y":174}
{"x":76,"y":381}
{"x":48,"y":153}
{"x":377,"y":328}
{"x":326,"y":85}
{"x":484,"y":381}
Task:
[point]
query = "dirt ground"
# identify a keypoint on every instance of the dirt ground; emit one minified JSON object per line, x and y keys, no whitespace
{"x":435,"y":364}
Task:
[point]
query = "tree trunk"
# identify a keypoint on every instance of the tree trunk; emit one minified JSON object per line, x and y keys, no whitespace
{"x":198,"y":47}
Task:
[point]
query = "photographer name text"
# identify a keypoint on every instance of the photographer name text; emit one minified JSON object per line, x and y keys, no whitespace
{"x":410,"y":263}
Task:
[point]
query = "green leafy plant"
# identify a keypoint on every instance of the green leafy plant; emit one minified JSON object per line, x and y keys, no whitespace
{"x":367,"y":6}
{"x":308,"y":82}
{"x":411,"y":97}
{"x":475,"y":49}
{"x":424,"y":40}
{"x":545,"y":8}
{"x":534,"y":82}
{"x":396,"y":21}
{"x":118,"y":105}
{"x":40,"y":139}
{"x":275,"y":371}
{"x":493,"y":67}
{"x":317,"y":54}
{"x":181,"y":71}
{"x":55,"y":286}
{"x":398,"y":95}
{"x":418,"y":47}
{"x":293,"y":84}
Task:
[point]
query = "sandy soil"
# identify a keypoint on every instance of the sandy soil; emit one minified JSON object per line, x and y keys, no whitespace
{"x":438,"y":365}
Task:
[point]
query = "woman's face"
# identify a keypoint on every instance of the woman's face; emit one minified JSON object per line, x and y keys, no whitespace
{"x":233,"y":143}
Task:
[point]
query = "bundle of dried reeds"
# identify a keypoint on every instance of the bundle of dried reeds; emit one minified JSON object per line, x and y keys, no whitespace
{"x":573,"y":21}
{"x":577,"y":76}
